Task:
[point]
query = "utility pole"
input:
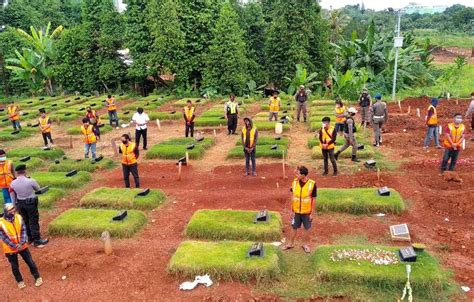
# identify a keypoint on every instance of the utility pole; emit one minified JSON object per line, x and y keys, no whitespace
{"x":398,"y":42}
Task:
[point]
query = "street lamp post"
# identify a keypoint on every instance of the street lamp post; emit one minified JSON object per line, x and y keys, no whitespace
{"x":398,"y":42}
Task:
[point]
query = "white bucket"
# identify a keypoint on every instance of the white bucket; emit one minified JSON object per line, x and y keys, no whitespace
{"x":278,"y":128}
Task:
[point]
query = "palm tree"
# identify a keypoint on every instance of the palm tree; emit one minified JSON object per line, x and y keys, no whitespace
{"x":337,"y":22}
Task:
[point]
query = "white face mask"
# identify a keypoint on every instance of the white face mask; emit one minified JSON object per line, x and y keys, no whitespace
{"x":3,"y":158}
{"x":456,"y":120}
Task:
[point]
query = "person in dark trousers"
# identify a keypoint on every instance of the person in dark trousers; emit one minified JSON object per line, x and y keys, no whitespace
{"x":111,"y":105}
{"x":45,"y":127}
{"x":231,"y":111}
{"x":454,"y":136}
{"x":470,"y":113}
{"x":14,"y":115}
{"x":130,"y":154}
{"x":379,"y":116}
{"x":327,"y":140}
{"x":301,"y":98}
{"x":14,"y":238}
{"x":189,"y":116}
{"x":349,"y":135}
{"x":140,"y":119}
{"x":23,"y":196}
{"x":432,"y":124}
{"x":365,"y":101}
{"x":249,"y":141}
{"x":94,"y":120}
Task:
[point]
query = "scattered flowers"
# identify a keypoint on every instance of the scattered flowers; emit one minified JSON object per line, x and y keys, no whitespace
{"x":376,"y":256}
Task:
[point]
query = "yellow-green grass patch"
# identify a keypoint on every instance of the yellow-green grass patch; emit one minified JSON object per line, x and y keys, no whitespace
{"x":36,"y":152}
{"x":212,"y":121}
{"x":267,"y":125}
{"x":120,"y":198}
{"x":32,"y":164}
{"x":177,"y":148}
{"x":51,"y":197}
{"x":77,"y":130}
{"x":314,"y":142}
{"x":233,"y":225}
{"x":225,"y":259}
{"x":267,"y":140}
{"x":260,"y":151}
{"x":60,"y":180}
{"x":324,"y":103}
{"x":183,"y":102}
{"x":6,"y":134}
{"x":284,"y":106}
{"x":165,"y":115}
{"x":368,"y":152}
{"x":92,"y":222}
{"x":81,"y":165}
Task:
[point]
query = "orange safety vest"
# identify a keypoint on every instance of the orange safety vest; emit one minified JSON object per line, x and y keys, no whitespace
{"x":112,"y":106}
{"x":188,"y":112}
{"x":274,"y":104}
{"x":433,"y":120}
{"x":13,"y":113}
{"x":13,"y":231}
{"x":93,"y":117}
{"x":252,"y":135}
{"x":128,"y":156}
{"x":44,"y":123}
{"x":456,"y":134}
{"x":302,"y":199}
{"x":327,"y":137}
{"x":6,"y":176}
{"x":340,"y":110}
{"x":89,"y":136}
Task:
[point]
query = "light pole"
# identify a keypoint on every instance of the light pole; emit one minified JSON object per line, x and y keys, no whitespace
{"x":398,"y":42}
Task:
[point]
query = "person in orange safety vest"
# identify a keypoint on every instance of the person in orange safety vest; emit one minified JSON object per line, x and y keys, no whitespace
{"x":453,"y":142}
{"x":431,"y":120}
{"x":129,"y":151}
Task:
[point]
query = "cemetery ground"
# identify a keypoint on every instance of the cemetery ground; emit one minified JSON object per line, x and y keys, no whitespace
{"x":439,"y":213}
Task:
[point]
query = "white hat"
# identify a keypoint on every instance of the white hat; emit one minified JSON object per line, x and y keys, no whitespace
{"x":352,"y":110}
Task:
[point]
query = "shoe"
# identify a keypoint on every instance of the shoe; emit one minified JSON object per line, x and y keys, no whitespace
{"x":324,"y":174}
{"x":376,"y":145}
{"x":336,"y":155}
{"x":254,"y":174}
{"x":354,"y":158}
{"x":145,"y":148}
{"x":335,"y":173}
{"x":21,"y":285}
{"x":228,"y":133}
{"x":439,"y":147}
{"x":40,"y":243}
{"x":39,"y":282}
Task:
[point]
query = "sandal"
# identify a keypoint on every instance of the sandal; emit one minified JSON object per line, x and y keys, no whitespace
{"x":306,"y":249}
{"x":287,"y":247}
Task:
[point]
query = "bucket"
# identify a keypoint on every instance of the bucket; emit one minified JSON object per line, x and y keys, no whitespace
{"x":278,"y":128}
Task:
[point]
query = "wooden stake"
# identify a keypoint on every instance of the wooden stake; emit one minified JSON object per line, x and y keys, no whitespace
{"x":158,"y":124}
{"x":283,"y":165}
{"x":418,"y":114}
{"x":114,"y":146}
{"x":464,"y":144}
{"x":440,"y":129}
{"x":457,"y":101}
{"x":179,"y":170}
{"x":215,"y":133}
{"x":107,"y":243}
{"x":378,"y":174}
{"x":400,"y":106}
{"x":409,"y":109}
{"x":70,"y":142}
{"x":187,"y":158}
{"x":278,"y":191}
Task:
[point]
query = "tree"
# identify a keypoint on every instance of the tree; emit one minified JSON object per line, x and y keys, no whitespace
{"x":226,"y":62}
{"x":9,"y":41}
{"x":28,"y":66}
{"x":337,"y":22}
{"x":301,"y":77}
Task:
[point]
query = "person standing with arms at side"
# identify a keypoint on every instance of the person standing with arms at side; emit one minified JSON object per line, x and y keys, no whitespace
{"x":327,"y":140}
{"x":379,"y":116}
{"x":7,"y":175}
{"x":231,"y":111}
{"x":302,"y":206}
{"x":431,"y":120}
{"x":275,"y":104}
{"x":140,"y":119}
{"x":14,"y":240}
{"x":301,"y":98}
{"x":14,"y":115}
{"x":45,"y":126}
{"x":349,"y":135}
{"x":470,"y":113}
{"x":130,"y":154}
{"x":189,"y":116}
{"x":340,"y":112}
{"x":249,"y":141}
{"x":90,"y":138}
{"x":94,"y":120}
{"x":23,"y":195}
{"x":111,"y":105}
{"x":365,"y":101}
{"x":454,"y":136}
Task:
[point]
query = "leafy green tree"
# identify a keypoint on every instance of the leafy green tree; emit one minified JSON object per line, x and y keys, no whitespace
{"x":301,"y":77}
{"x":9,"y":41}
{"x":28,"y":66}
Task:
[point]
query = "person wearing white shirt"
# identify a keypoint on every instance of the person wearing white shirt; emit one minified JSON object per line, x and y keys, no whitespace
{"x":140,"y":119}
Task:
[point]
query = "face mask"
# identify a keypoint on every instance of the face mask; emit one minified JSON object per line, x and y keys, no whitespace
{"x":324,"y":125}
{"x":456,"y":120}
{"x":3,"y":158}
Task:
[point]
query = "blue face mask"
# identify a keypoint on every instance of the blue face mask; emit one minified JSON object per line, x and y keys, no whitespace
{"x":3,"y":158}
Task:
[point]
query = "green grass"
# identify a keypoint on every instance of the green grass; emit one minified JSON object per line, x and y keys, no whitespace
{"x":36,"y":152}
{"x":59,"y":179}
{"x":314,"y":142}
{"x":233,"y":225}
{"x":367,"y":153}
{"x":165,"y":116}
{"x":213,"y":113}
{"x":176,"y":148}
{"x":77,"y":130}
{"x":6,"y":134}
{"x":50,"y":198}
{"x":33,"y":164}
{"x":261,"y":151}
{"x":82,"y":165}
{"x":267,"y":125}
{"x":92,"y":222}
{"x":444,"y":39}
{"x":226,"y":260}
{"x":206,"y":143}
{"x":210,"y":121}
{"x":183,"y":102}
{"x":284,"y":106}
{"x":65,"y":118}
{"x":267,"y":140}
{"x":358,"y":201}
{"x":427,"y":278}
{"x":323,"y":103}
{"x":119,"y":198}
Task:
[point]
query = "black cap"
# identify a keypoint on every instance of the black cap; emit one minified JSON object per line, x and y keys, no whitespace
{"x":20,"y":168}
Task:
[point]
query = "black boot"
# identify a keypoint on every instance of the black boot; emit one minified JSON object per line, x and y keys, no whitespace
{"x":336,"y":155}
{"x":354,"y":158}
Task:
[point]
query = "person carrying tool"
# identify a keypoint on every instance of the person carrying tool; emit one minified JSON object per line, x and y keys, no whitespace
{"x":249,"y":141}
{"x":23,"y":196}
{"x":14,"y":115}
{"x":379,"y":116}
{"x":189,"y":116}
{"x":130,"y":154}
{"x":349,"y":135}
{"x":231,"y":111}
{"x":301,"y":98}
{"x":45,"y":127}
{"x":13,"y":234}
{"x":470,"y":112}
{"x":94,"y":120}
{"x":365,"y":101}
{"x":327,"y":140}
{"x":141,"y":119}
{"x":90,"y":138}
{"x":340,"y":112}
{"x":431,"y":120}
{"x":111,"y":105}
{"x":275,"y":104}
{"x":454,"y":136}
{"x":7,"y":175}
{"x":304,"y":192}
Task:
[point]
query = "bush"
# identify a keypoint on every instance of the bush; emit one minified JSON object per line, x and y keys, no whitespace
{"x":359,"y":201}
{"x":233,"y":225}
{"x":92,"y":222}
{"x":36,"y":152}
{"x":227,"y":260}
{"x":82,"y":165}
{"x":59,"y":179}
{"x":119,"y":198}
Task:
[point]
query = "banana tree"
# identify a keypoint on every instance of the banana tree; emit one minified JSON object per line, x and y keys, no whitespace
{"x":301,"y":77}
{"x":348,"y":84}
{"x":28,"y":66}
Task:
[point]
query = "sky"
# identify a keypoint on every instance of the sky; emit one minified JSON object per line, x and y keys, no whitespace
{"x":381,"y":5}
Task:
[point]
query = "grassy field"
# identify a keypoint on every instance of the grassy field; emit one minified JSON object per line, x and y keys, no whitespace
{"x":82,"y":165}
{"x":210,"y":121}
{"x":59,"y":179}
{"x":268,"y":140}
{"x":119,"y":198}
{"x":444,"y":39}
{"x":6,"y":134}
{"x":32,"y":164}
{"x":49,"y":199}
{"x":35,"y":152}
{"x":225,"y":259}
{"x":176,"y":148}
{"x":233,"y":225}
{"x":92,"y":222}
{"x":358,"y":201}
{"x":270,"y":126}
